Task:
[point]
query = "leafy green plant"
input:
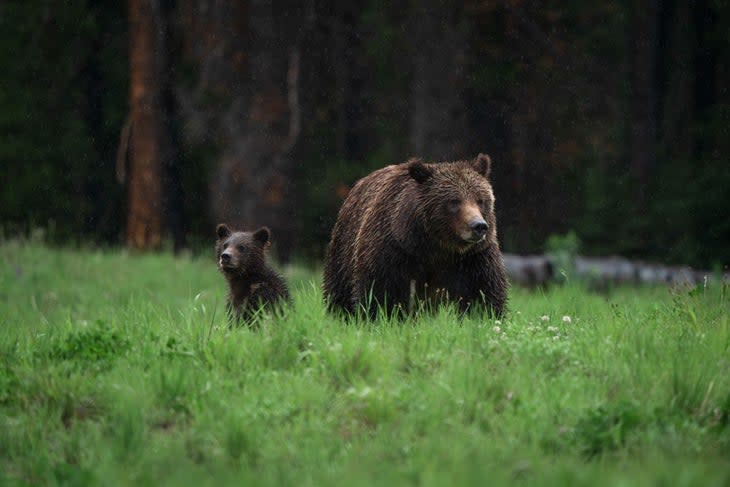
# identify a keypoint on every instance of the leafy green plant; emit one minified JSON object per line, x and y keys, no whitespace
{"x":562,"y":249}
{"x":95,"y":345}
{"x":607,"y":428}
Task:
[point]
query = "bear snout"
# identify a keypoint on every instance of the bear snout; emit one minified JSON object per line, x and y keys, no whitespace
{"x":478,"y":227}
{"x":471,"y":225}
{"x":226,"y":260}
{"x":475,"y":231}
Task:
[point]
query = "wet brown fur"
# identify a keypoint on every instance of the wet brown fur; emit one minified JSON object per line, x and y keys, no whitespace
{"x":399,"y":235}
{"x":251,"y":282}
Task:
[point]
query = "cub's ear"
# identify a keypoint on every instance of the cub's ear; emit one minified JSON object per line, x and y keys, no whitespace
{"x":482,"y":164}
{"x":262,"y":236}
{"x":419,"y":171}
{"x":222,"y":231}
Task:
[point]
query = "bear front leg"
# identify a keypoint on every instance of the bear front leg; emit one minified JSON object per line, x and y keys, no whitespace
{"x":384,"y":289}
{"x":483,"y":283}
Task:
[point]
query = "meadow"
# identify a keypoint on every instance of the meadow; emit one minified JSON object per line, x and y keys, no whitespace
{"x":119,"y":369}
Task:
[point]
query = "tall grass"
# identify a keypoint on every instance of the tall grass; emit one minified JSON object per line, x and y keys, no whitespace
{"x":120,"y":369}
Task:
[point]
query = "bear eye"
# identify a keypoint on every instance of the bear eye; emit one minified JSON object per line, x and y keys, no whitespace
{"x":241,"y":248}
{"x":480,"y":202}
{"x":453,"y":205}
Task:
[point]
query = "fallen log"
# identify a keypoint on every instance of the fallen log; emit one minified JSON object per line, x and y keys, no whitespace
{"x":539,"y":270}
{"x":529,"y":270}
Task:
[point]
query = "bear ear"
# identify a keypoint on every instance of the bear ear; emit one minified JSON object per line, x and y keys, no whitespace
{"x":222,"y":231}
{"x":419,"y":171}
{"x":482,"y":164}
{"x":262,"y":236}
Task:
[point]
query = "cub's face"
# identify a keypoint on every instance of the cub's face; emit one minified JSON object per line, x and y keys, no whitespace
{"x":237,"y":252}
{"x":457,"y":201}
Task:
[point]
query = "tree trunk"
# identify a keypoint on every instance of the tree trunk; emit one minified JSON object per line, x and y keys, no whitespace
{"x":146,"y":147}
{"x":643,"y":71}
{"x":705,"y":65}
{"x":527,"y":206}
{"x":253,"y":184}
{"x":438,"y":113}
{"x":174,"y":218}
{"x":342,"y":84}
{"x":677,"y":102}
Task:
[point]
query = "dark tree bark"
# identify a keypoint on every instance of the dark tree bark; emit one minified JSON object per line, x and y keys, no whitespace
{"x":93,"y":114}
{"x":705,"y":66}
{"x":174,"y":195}
{"x":341,"y":29}
{"x":146,"y":144}
{"x":437,"y":42}
{"x":155,"y":192}
{"x":528,"y":209}
{"x":643,"y":71}
{"x":173,"y":192}
{"x":676,"y":106}
{"x":253,"y":183}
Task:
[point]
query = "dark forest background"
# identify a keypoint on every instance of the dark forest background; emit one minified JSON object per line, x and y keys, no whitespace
{"x":149,"y":121}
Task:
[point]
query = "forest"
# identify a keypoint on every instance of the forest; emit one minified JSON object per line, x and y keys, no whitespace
{"x":144,"y":123}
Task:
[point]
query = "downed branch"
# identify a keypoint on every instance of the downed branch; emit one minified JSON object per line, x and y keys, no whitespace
{"x":538,"y":270}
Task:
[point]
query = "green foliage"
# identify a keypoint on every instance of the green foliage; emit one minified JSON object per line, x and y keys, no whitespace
{"x":563,"y":249}
{"x":120,"y":369}
{"x":62,"y":105}
{"x":603,"y":429}
{"x":97,"y":345}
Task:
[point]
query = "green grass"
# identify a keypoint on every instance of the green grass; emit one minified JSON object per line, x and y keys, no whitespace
{"x":118,"y":369}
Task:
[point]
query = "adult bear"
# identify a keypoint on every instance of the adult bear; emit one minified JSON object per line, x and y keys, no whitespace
{"x":414,"y":234}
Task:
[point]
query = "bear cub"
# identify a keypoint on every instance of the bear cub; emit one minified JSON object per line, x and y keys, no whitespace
{"x":252,"y":284}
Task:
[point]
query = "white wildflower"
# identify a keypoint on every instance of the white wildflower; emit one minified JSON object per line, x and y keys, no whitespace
{"x":567,"y":319}
{"x":545,"y":318}
{"x":552,"y":328}
{"x":497,"y":329}
{"x":362,"y":393}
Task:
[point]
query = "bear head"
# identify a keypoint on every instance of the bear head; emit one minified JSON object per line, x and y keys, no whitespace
{"x":241,"y":252}
{"x":456,"y":202}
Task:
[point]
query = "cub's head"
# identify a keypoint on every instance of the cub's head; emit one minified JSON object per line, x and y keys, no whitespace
{"x":240,"y":252}
{"x":456,"y":202}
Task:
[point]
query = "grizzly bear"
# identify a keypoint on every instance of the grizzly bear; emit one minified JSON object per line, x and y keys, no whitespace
{"x":252,"y":284}
{"x":417,"y":234}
